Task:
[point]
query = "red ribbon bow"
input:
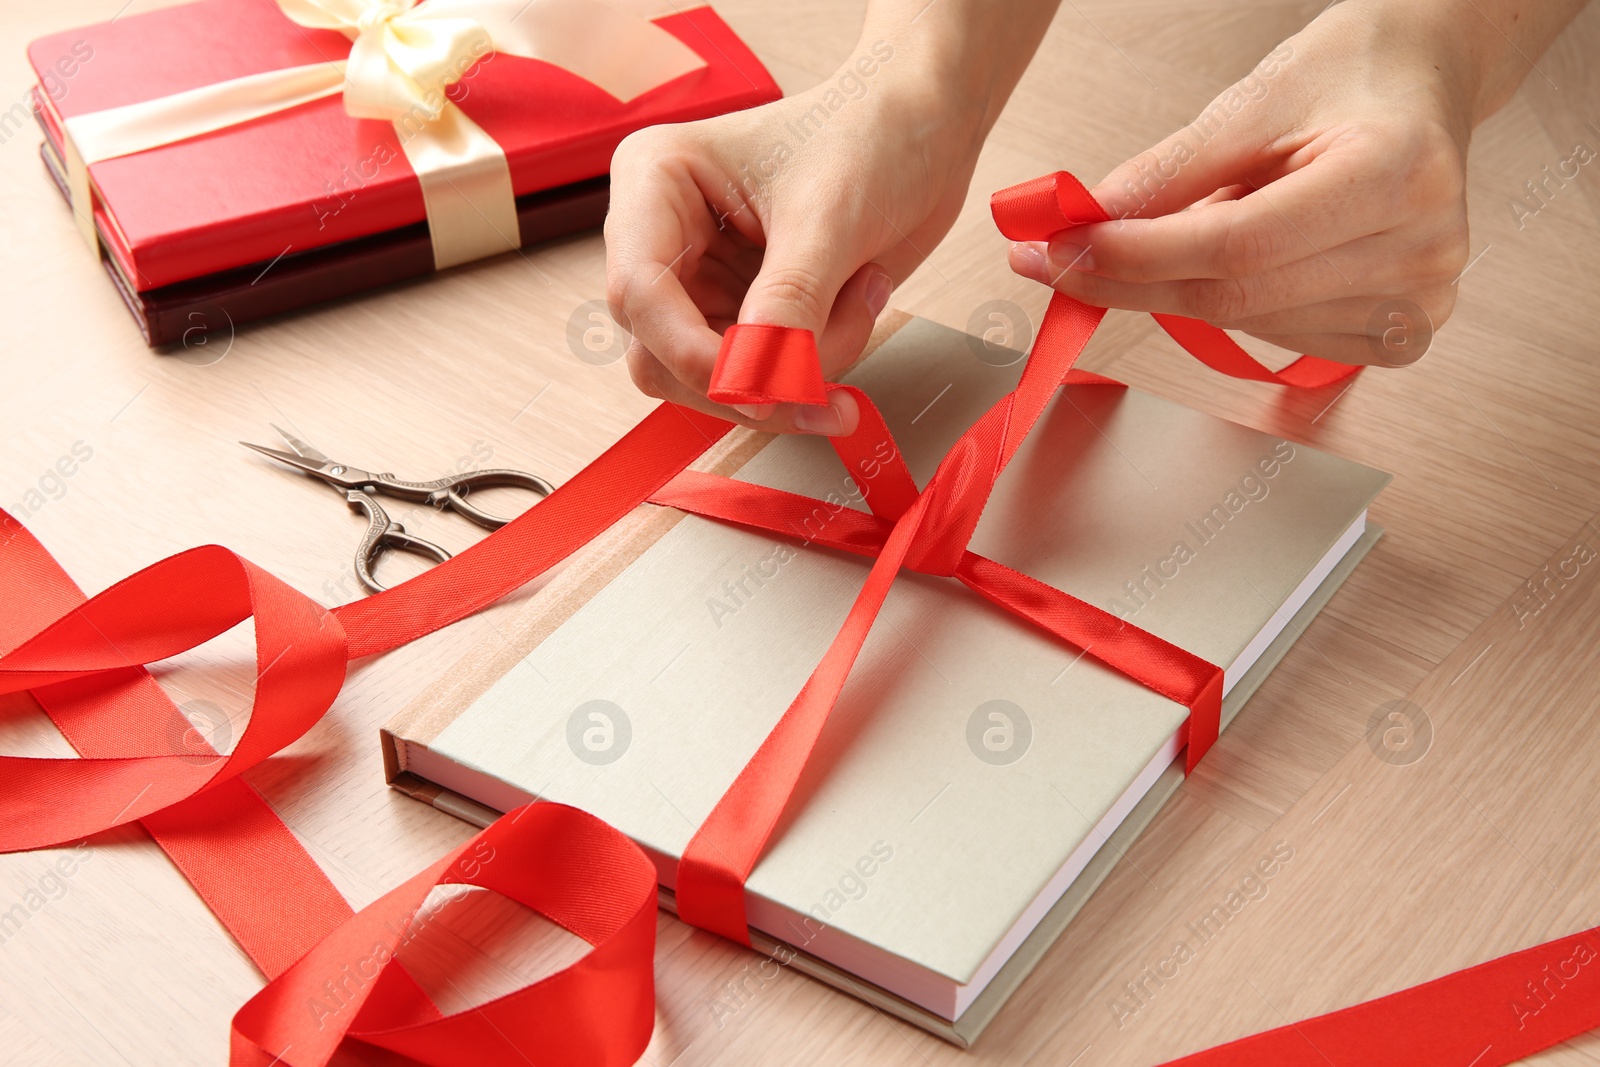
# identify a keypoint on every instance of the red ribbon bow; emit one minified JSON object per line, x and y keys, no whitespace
{"x":331,"y":971}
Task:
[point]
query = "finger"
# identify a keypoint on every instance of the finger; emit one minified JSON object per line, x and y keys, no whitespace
{"x":839,"y":417}
{"x":1229,"y":192}
{"x":804,"y":268}
{"x":1221,"y":147}
{"x":649,"y":241}
{"x":808,"y":281}
{"x":855,"y":311}
{"x":1417,"y":314}
{"x":1311,"y":280}
{"x":717,"y":290}
{"x":1355,"y":349}
{"x":719,"y":282}
{"x":1323,"y":205}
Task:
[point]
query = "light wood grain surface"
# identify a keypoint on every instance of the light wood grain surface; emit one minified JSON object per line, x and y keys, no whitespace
{"x":1401,"y":870}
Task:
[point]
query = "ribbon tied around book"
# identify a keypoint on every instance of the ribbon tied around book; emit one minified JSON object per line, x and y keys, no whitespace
{"x":927,"y":530}
{"x":332,"y":972}
{"x":403,"y":58}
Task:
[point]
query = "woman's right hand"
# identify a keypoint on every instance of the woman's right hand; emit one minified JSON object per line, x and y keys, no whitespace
{"x":805,"y":212}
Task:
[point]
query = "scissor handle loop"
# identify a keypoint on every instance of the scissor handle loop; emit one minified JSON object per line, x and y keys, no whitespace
{"x":455,"y":494}
{"x":383,"y":535}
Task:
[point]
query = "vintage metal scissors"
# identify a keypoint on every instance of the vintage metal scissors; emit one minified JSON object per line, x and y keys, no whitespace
{"x":384,"y":534}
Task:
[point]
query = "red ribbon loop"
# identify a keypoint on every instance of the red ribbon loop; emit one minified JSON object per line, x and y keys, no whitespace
{"x":564,"y":864}
{"x":250,"y":869}
{"x":165,"y":609}
{"x":767,"y":365}
{"x":1040,"y":208}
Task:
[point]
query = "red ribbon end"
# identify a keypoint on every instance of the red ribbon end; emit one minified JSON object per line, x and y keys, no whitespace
{"x":768,"y":365}
{"x":1038,"y":209}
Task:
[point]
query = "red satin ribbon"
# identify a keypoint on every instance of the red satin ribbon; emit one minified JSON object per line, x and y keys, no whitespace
{"x":787,"y":370}
{"x":332,"y":973}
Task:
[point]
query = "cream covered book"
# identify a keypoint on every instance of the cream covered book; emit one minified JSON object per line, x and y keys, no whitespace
{"x":957,"y":810}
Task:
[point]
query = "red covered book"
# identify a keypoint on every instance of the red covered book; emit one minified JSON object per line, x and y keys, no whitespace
{"x":310,"y":182}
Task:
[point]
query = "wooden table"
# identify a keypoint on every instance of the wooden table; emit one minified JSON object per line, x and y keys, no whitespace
{"x":1401,"y":870}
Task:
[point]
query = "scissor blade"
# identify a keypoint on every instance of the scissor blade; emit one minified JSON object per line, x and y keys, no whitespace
{"x":298,"y":446}
{"x":305,"y":463}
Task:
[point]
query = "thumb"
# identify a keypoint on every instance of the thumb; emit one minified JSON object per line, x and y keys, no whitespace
{"x":806,"y":283}
{"x":1222,"y":147}
{"x":801,"y":275}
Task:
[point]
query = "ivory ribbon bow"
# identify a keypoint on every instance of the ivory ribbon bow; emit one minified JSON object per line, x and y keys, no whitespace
{"x":403,"y":56}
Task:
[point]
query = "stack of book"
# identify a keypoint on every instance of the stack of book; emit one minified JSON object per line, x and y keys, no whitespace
{"x":309,"y":204}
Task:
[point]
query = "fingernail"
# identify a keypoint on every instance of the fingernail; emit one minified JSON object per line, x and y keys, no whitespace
{"x":1067,"y":256}
{"x":819,"y":420}
{"x":1027,"y":260}
{"x":878,"y":288}
{"x":756,"y":412}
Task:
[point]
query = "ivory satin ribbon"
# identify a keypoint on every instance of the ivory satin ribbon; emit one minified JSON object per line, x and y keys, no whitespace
{"x":403,"y":56}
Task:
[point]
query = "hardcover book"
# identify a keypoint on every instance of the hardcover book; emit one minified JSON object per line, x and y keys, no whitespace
{"x":978,"y":778}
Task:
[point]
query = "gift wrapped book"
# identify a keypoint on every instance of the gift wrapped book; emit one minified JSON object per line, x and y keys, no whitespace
{"x":231,"y":159}
{"x":978,"y":778}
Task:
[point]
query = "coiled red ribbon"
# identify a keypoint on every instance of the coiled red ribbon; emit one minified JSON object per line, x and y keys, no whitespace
{"x":331,"y":972}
